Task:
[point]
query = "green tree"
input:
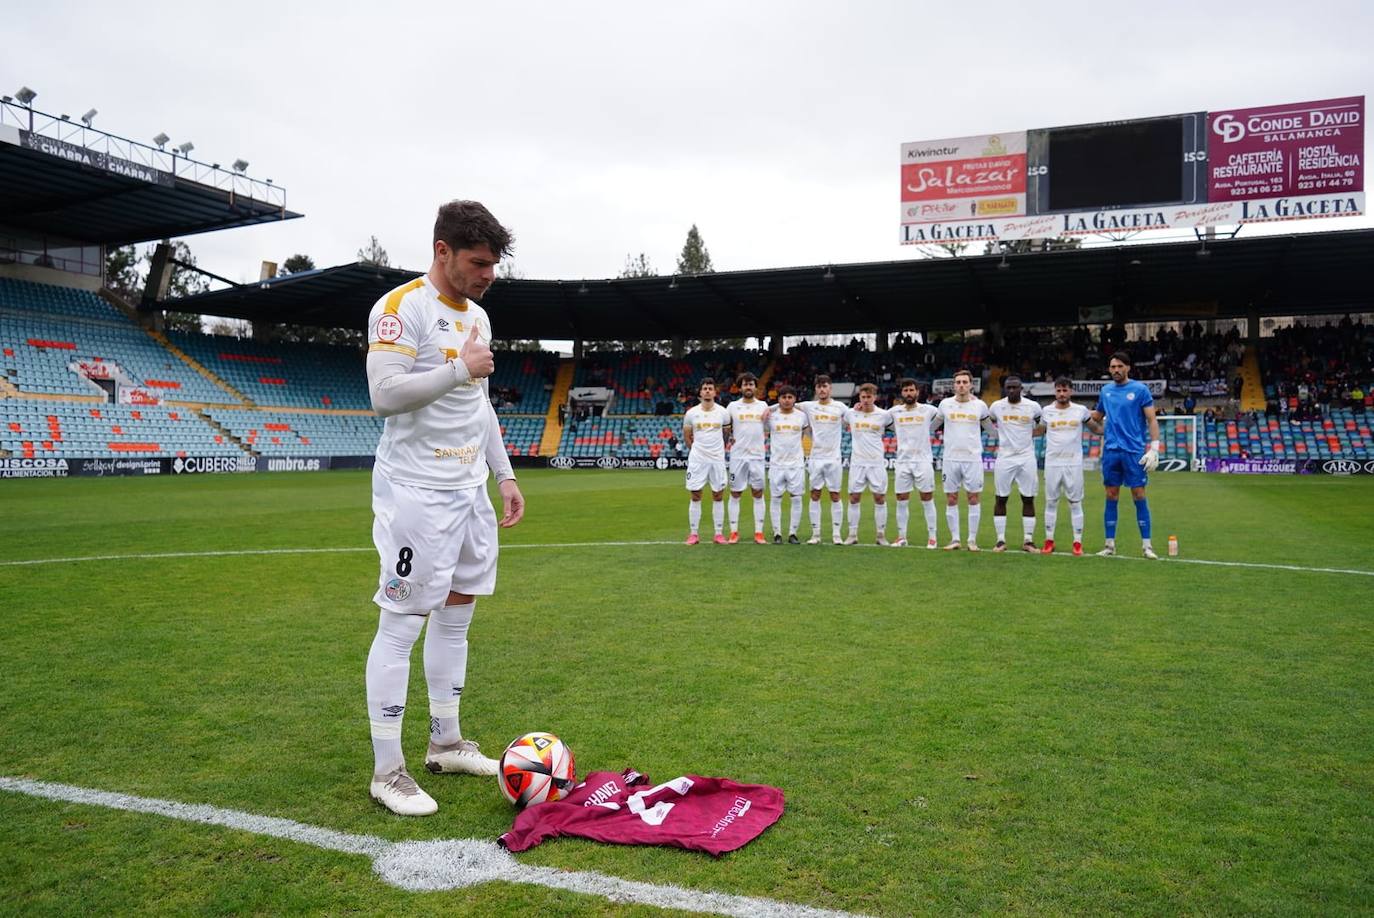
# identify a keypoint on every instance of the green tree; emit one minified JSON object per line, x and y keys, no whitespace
{"x":694,"y":258}
{"x":638,"y":265}
{"x":297,"y":263}
{"x":122,"y":273}
{"x":374,"y":254}
{"x":507,"y":270}
{"x":1027,"y":246}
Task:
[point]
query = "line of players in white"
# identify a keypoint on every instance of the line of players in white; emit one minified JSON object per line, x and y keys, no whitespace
{"x":748,"y":421}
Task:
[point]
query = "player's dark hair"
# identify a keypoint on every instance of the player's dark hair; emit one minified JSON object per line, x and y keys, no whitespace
{"x":747,"y":377}
{"x":869,"y":387}
{"x":467,"y":224}
{"x":786,"y":390}
{"x":706,"y":381}
{"x":1122,"y":356}
{"x":822,"y":379}
{"x":1064,"y":381}
{"x":1010,"y":378}
{"x":904,"y":382}
{"x":963,"y":372}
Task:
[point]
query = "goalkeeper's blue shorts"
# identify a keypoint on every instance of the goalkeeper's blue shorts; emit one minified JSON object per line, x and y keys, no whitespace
{"x":1120,"y":467}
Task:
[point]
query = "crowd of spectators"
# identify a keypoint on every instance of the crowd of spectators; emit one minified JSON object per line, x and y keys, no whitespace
{"x":1312,"y":369}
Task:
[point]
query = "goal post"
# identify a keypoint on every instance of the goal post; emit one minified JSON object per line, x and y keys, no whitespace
{"x":1178,"y":439}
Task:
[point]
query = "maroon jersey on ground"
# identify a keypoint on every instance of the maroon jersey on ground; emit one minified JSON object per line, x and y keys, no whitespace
{"x":703,"y":814}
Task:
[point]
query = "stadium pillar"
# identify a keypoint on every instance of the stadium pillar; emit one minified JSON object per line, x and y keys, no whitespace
{"x":679,"y":345}
{"x":577,"y":349}
{"x":775,"y":343}
{"x":1252,"y":325}
{"x":880,"y":345}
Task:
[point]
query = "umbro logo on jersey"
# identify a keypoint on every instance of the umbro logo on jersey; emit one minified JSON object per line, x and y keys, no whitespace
{"x":443,"y":323}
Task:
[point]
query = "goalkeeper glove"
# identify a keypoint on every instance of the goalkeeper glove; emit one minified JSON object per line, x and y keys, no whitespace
{"x":1150,"y":461}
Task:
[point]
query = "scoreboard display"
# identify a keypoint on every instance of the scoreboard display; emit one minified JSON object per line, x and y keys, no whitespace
{"x":1118,"y":164}
{"x":1196,"y":169}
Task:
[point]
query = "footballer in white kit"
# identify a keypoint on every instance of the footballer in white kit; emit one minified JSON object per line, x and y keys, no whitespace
{"x":787,"y":425}
{"x":1018,"y":423}
{"x":914,"y":421}
{"x":962,"y":415}
{"x":434,"y":527}
{"x":1064,"y":423}
{"x":826,"y":467}
{"x":867,"y":461}
{"x":703,"y":430}
{"x":748,"y":428}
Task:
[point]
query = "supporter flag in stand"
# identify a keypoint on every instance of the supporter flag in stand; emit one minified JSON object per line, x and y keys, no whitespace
{"x":714,"y":815}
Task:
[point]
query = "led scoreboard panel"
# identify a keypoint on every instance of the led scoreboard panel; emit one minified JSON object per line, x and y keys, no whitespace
{"x":1190,"y":170}
{"x":1118,"y":164}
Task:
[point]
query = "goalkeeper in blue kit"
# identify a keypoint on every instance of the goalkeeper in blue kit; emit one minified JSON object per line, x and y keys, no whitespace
{"x":1127,"y":457}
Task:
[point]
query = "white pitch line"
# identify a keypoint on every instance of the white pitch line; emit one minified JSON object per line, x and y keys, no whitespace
{"x":1256,"y":565}
{"x":430,"y":865}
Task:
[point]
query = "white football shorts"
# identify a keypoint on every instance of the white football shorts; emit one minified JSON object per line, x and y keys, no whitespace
{"x":915,"y":476}
{"x":962,"y":473}
{"x":826,"y":473}
{"x":1018,"y":470}
{"x":746,"y":472}
{"x":703,"y":472}
{"x":787,"y":480}
{"x":1065,"y":481}
{"x":431,"y":542}
{"x":865,"y":475}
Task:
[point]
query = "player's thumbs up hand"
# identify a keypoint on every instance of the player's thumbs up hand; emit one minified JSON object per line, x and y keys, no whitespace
{"x":477,"y":356}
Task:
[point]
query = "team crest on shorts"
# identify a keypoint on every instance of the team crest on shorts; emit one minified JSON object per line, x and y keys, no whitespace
{"x":397,"y":590}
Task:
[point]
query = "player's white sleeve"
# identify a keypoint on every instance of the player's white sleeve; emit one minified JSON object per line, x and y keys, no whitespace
{"x":498,"y":460}
{"x":395,"y":390}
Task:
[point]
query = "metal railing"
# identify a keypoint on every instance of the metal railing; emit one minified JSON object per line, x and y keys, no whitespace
{"x":118,"y":154}
{"x":87,"y":260}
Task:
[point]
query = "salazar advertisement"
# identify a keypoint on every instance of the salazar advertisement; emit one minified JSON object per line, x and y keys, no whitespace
{"x":964,"y":178}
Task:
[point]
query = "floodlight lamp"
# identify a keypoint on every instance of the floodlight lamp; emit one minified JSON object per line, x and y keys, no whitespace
{"x":89,"y":117}
{"x":829,"y":274}
{"x":583,"y":288}
{"x":161,"y":140}
{"x":240,"y":165}
{"x":1003,"y":265}
{"x":65,"y":117}
{"x":672,"y":285}
{"x":6,"y":98}
{"x":25,"y":95}
{"x":186,"y":148}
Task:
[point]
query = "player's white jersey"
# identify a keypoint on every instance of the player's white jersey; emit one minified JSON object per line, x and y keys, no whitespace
{"x":1064,"y":435}
{"x":708,"y":432}
{"x":747,"y":427}
{"x":785,"y":431}
{"x":866,"y":435}
{"x":1015,"y":426}
{"x":441,"y":445}
{"x":914,"y":426}
{"x":826,"y":421}
{"x":963,"y":428}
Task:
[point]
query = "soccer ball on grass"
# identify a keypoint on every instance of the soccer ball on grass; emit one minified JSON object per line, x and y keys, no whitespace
{"x":536,"y":768}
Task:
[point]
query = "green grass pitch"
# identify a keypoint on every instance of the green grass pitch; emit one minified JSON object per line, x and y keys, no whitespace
{"x":954,"y":733}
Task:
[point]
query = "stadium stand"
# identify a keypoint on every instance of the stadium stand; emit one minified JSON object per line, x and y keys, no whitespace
{"x":282,"y":375}
{"x":523,"y":382}
{"x":69,"y":430}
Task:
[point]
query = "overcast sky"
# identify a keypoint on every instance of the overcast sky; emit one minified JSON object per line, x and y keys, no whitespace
{"x":599,"y":130}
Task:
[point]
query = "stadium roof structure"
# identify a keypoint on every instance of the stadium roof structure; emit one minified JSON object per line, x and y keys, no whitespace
{"x":1274,"y":275}
{"x":81,"y":184}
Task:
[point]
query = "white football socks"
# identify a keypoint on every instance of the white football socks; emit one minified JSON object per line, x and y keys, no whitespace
{"x":716,"y":511}
{"x":880,"y":517}
{"x":775,"y":509}
{"x":796,"y":514}
{"x":836,"y":515}
{"x":816,"y":516}
{"x":1052,"y":517}
{"x":975,"y":513}
{"x":999,"y":524}
{"x":694,"y":515}
{"x":387,"y":677}
{"x":929,"y":507}
{"x":1076,"y":519}
{"x":903,"y":514}
{"x":734,"y":513}
{"x":853,"y":521}
{"x":952,"y":521}
{"x":758,"y":514}
{"x":1027,"y":528}
{"x":446,"y":666}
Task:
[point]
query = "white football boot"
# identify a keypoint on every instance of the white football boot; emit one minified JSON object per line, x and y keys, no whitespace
{"x":1150,"y":554}
{"x":399,"y":793}
{"x":462,"y":758}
